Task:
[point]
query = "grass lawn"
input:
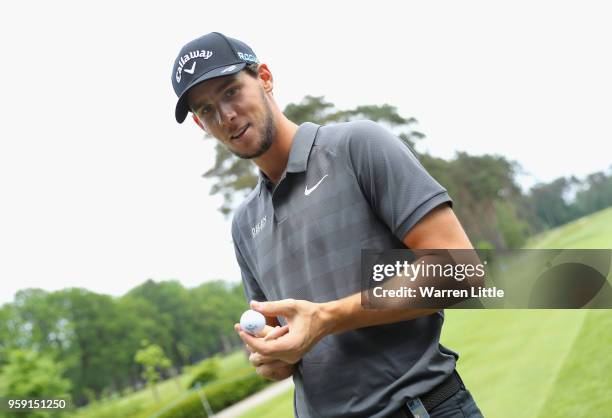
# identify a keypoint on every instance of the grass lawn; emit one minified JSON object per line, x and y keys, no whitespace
{"x":280,"y":406}
{"x":529,"y":364}
{"x":594,"y":231}
{"x":583,"y":385}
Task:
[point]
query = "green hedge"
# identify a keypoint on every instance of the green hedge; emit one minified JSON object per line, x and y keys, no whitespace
{"x":205,"y":373}
{"x":220,"y":395}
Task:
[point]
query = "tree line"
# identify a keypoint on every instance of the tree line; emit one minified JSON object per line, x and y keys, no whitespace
{"x":87,"y":343}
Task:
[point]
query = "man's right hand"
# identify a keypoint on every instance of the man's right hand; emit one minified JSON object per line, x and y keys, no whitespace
{"x":266,"y":367}
{"x":272,"y":370}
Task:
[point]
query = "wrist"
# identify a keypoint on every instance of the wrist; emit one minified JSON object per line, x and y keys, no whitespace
{"x":332,"y":314}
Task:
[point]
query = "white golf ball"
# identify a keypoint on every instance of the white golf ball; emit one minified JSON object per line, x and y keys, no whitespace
{"x":252,"y":322}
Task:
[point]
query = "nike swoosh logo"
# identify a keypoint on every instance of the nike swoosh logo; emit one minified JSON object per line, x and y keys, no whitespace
{"x":192,"y":68}
{"x":307,"y":191}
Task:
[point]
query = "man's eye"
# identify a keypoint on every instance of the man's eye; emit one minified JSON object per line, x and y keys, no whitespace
{"x":231,"y":91}
{"x":206,"y":110}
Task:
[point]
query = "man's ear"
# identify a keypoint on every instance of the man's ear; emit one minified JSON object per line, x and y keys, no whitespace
{"x":198,"y":122}
{"x":266,"y":77}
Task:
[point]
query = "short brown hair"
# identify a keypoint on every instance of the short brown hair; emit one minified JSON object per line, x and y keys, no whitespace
{"x":252,"y":69}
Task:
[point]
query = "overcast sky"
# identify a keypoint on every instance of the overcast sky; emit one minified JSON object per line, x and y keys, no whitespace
{"x":102,"y":189}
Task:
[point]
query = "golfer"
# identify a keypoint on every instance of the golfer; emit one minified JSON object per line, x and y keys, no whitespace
{"x":324,"y":193}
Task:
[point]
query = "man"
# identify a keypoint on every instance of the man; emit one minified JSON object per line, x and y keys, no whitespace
{"x":325,"y":193}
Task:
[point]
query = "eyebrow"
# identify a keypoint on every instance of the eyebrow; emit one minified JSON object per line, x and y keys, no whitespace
{"x":220,"y":88}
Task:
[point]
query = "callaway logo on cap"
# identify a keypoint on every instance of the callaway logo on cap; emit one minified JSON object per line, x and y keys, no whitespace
{"x":209,"y":56}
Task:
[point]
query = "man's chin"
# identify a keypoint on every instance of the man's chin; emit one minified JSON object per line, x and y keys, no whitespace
{"x":263,"y":147}
{"x":250,"y":154}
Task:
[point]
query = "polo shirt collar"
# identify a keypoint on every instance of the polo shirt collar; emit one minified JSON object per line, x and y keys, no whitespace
{"x":300,"y":150}
{"x":301,"y":146}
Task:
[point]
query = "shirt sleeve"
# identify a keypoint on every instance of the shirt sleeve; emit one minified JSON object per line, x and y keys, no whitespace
{"x":252,"y":290}
{"x":398,"y":187}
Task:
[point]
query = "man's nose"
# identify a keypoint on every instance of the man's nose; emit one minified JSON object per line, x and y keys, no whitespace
{"x":226,"y":114}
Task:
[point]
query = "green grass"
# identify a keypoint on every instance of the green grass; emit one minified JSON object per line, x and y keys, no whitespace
{"x":280,"y":406}
{"x":509,"y":358}
{"x":529,"y":364}
{"x":594,"y":231}
{"x":583,"y":386}
{"x":141,"y":404}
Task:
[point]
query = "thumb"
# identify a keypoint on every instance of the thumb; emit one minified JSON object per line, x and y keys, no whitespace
{"x":276,"y":333}
{"x":277,"y":308}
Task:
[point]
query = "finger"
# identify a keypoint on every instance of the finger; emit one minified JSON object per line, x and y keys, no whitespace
{"x":277,"y":308}
{"x":254,"y":360}
{"x":257,"y":359}
{"x":258,"y":344}
{"x":261,"y":333}
{"x":276,"y":364}
{"x":267,"y":372}
{"x":248,"y":339}
{"x":272,"y":370}
{"x":276,"y":333}
{"x":267,"y":329}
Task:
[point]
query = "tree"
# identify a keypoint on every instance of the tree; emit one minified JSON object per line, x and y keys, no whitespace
{"x":217,"y":306}
{"x":173,"y":312}
{"x":100,"y":348}
{"x":40,"y":320}
{"x":152,"y":358}
{"x":8,"y":332}
{"x":95,"y":337}
{"x":550,"y":203}
{"x":29,"y":374}
{"x":595,"y":193}
{"x":486,"y":198}
{"x":567,"y":198}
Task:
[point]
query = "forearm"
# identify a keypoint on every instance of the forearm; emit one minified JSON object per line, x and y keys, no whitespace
{"x":348,"y":314}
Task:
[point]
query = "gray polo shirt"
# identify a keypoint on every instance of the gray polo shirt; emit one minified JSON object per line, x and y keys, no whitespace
{"x":347,"y":187}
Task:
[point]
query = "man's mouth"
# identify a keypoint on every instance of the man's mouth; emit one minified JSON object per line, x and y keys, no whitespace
{"x":240,"y":132}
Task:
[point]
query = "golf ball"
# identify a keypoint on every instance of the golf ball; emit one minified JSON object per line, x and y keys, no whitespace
{"x":252,"y":322}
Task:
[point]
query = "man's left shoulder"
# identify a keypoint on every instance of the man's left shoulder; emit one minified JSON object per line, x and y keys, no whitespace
{"x":346,"y":130}
{"x":347,"y":135}
{"x":360,"y":138}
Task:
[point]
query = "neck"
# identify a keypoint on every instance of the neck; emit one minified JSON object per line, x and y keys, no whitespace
{"x":274,"y":162}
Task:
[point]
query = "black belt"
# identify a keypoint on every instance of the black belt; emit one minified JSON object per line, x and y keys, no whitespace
{"x":438,"y":394}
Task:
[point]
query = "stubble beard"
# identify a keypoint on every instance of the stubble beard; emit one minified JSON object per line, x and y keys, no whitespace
{"x":266,"y":135}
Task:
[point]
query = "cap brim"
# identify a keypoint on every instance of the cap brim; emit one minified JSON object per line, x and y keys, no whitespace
{"x":182,"y":108}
